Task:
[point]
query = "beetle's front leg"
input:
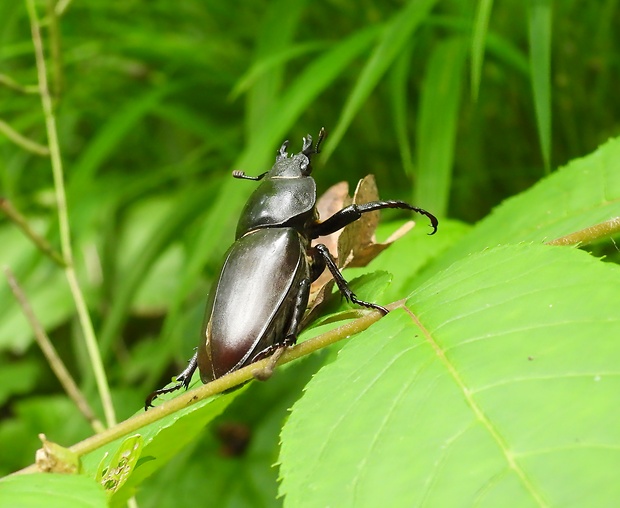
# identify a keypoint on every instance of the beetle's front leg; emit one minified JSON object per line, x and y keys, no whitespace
{"x":353,"y":212}
{"x":343,"y":286}
{"x":182,"y":380}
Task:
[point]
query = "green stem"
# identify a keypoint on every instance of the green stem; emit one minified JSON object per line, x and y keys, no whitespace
{"x":220,"y":385}
{"x":20,"y":221}
{"x":63,"y":221}
{"x":590,"y":234}
{"x":23,"y":141}
{"x":54,"y":360}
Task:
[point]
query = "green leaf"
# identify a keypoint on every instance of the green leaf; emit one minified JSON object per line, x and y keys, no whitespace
{"x":407,"y":255}
{"x":539,"y":14}
{"x":497,"y":389}
{"x":112,"y":473}
{"x":52,"y":491}
{"x":436,"y":126}
{"x":581,"y":194}
{"x":161,"y":440}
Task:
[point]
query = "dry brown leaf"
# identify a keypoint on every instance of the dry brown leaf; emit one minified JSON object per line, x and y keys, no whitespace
{"x":356,"y":244}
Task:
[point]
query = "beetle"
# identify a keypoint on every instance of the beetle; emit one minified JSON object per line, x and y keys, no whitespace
{"x":259,"y":298}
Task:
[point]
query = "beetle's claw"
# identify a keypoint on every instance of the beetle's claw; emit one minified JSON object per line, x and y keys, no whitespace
{"x":153,"y":395}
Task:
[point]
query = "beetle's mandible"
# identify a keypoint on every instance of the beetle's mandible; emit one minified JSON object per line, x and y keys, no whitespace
{"x":258,"y":301}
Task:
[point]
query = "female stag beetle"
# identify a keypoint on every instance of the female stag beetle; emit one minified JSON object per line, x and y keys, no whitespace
{"x":261,"y":294}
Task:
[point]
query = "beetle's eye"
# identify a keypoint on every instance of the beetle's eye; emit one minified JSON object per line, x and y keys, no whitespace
{"x":305,"y":167}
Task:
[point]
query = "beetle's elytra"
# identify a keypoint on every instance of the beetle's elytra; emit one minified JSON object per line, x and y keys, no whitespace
{"x":261,"y":294}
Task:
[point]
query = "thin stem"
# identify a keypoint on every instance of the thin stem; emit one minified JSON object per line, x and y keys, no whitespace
{"x":55,"y":362}
{"x":23,"y":141}
{"x":61,"y":7}
{"x":56,"y":54}
{"x":20,"y":221}
{"x":63,"y":221}
{"x":220,"y":385}
{"x":14,"y":85}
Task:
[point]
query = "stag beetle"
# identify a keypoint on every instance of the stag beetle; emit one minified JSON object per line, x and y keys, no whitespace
{"x":261,"y":293}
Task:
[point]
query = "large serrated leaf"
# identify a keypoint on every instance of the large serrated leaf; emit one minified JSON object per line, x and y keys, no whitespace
{"x":498,"y":389}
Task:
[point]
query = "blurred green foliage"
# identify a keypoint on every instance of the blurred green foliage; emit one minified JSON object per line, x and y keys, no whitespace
{"x":450,"y":104}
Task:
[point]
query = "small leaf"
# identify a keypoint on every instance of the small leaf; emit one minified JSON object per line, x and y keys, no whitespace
{"x":161,"y":440}
{"x":121,"y":465}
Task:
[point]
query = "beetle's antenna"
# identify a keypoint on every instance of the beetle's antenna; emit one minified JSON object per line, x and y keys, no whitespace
{"x":282,"y":152}
{"x":241,"y":175}
{"x":322,"y":136}
{"x":307,"y":147}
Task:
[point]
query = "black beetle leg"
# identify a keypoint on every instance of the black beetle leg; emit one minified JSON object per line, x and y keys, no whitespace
{"x":183,"y":380}
{"x":275,"y":350}
{"x":298,"y":313}
{"x":341,"y":282}
{"x":353,"y":212}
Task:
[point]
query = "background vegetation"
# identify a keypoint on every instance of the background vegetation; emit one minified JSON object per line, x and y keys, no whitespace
{"x":452,"y":105}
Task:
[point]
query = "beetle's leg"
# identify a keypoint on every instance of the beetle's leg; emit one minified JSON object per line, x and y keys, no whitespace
{"x":183,"y":379}
{"x":301,"y":302}
{"x":341,"y":282}
{"x":242,"y":176}
{"x":353,"y":212}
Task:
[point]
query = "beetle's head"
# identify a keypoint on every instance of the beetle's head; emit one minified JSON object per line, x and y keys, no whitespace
{"x":299,"y":164}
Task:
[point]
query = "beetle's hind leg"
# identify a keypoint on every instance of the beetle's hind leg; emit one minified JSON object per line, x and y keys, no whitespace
{"x":290,"y":338}
{"x":343,"y":286}
{"x":182,"y":380}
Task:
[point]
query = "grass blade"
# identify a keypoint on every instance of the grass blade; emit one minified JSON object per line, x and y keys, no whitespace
{"x":539,"y":19}
{"x":481,"y":25}
{"x":399,"y":79}
{"x":395,"y":37}
{"x":437,"y":121}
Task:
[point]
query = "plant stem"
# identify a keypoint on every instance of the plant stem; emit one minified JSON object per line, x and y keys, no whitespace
{"x":590,"y":234}
{"x":55,"y":362}
{"x":220,"y":385}
{"x":63,"y":221}
{"x":23,"y":141}
{"x":20,"y":221}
